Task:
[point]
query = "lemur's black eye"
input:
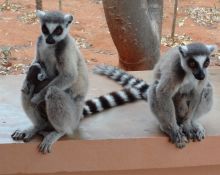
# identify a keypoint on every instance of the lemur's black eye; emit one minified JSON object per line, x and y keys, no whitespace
{"x":192,"y":63}
{"x":206,"y":63}
{"x":45,"y":30}
{"x":58,"y":31}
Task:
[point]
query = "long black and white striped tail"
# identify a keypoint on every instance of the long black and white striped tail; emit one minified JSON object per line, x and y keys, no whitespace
{"x":117,"y":75}
{"x":111,"y":100}
{"x":123,"y":78}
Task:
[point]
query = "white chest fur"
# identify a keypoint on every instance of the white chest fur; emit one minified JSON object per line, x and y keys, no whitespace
{"x":188,"y":84}
{"x":47,"y":56}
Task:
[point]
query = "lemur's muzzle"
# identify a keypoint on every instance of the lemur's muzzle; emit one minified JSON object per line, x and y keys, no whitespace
{"x":50,"y":40}
{"x":200,"y":75}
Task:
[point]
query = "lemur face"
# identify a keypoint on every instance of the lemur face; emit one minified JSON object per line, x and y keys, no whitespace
{"x":195,"y":58}
{"x":52,"y":32}
{"x":198,"y":64}
{"x":54,"y":26}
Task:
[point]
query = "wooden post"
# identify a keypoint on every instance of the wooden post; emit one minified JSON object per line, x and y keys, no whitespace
{"x":135,"y":27}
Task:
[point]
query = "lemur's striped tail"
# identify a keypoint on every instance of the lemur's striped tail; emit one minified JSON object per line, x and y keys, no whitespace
{"x":123,"y":78}
{"x":110,"y":100}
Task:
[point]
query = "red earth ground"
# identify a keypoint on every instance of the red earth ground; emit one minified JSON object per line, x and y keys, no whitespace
{"x":91,"y":26}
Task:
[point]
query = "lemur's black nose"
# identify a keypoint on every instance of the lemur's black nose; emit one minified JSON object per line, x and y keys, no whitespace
{"x":200,"y":76}
{"x":50,"y":40}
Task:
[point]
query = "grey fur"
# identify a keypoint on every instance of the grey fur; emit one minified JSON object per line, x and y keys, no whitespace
{"x":64,"y":95}
{"x":177,"y":98}
{"x":54,"y":17}
{"x":197,"y":49}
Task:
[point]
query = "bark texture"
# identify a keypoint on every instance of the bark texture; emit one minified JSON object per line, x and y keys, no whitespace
{"x":39,"y":5}
{"x":135,"y":27}
{"x":174,"y":19}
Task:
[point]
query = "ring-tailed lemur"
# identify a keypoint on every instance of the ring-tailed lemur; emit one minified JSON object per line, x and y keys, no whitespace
{"x":56,"y":84}
{"x":64,"y":95}
{"x":181,"y":92}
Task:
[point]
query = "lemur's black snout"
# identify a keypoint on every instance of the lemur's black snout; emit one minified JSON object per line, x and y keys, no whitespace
{"x":200,"y":75}
{"x":50,"y":40}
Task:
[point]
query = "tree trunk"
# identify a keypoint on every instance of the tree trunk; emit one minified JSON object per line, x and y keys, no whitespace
{"x":60,"y":5}
{"x":174,"y":20}
{"x":39,"y":4}
{"x":135,"y":27}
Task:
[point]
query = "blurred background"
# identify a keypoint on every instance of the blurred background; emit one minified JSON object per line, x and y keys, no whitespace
{"x":196,"y":20}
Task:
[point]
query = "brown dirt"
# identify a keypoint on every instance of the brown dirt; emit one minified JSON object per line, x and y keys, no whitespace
{"x":92,"y":27}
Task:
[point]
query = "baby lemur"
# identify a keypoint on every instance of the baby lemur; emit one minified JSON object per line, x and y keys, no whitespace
{"x":65,"y":93}
{"x":181,"y":92}
{"x":36,"y":79}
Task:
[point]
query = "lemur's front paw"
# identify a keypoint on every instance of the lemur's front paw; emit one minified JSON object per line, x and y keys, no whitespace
{"x":45,"y":146}
{"x":49,"y":139}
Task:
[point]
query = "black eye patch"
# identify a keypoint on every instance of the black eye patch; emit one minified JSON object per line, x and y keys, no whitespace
{"x":206,"y":63}
{"x":192,"y":63}
{"x":58,"y":30}
{"x":45,"y":30}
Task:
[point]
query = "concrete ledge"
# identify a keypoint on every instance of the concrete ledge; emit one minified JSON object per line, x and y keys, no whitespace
{"x":127,"y":156}
{"x":125,"y":140}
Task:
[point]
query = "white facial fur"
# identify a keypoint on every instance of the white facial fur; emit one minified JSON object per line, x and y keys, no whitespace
{"x":200,"y":59}
{"x":51,"y":26}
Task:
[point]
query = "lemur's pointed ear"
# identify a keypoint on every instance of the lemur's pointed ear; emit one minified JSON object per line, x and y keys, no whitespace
{"x":40,"y":13}
{"x":211,"y":48}
{"x":68,"y":18}
{"x":183,"y":50}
